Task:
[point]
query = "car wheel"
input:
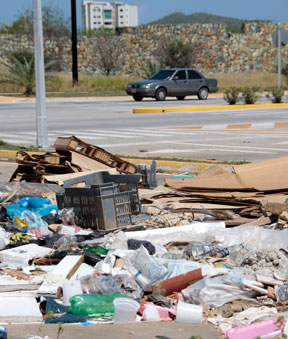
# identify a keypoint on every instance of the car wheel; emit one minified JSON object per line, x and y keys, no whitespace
{"x":180,"y":98}
{"x":160,"y":94}
{"x":137,"y":97}
{"x":203,"y":93}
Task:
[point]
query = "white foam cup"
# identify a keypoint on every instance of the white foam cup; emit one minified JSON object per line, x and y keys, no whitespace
{"x":151,"y":314}
{"x":70,"y":288}
{"x":189,"y":313}
{"x":125,"y":310}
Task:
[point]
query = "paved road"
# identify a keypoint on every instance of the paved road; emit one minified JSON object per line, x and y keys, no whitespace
{"x":110,"y":124}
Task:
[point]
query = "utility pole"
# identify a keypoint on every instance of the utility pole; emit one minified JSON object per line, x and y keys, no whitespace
{"x":74,"y":43}
{"x":41,"y":123}
{"x":279,"y":56}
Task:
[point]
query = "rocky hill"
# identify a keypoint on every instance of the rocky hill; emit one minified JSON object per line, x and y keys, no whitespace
{"x":198,"y":18}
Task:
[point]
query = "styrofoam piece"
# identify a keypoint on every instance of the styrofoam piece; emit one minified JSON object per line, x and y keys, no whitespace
{"x":151,"y":313}
{"x":196,"y":231}
{"x":189,"y":313}
{"x":23,"y":254}
{"x":70,"y":288}
{"x":54,"y":280}
{"x":19,"y":309}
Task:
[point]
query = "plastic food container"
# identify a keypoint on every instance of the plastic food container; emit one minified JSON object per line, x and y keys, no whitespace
{"x":189,"y":313}
{"x":125,"y":310}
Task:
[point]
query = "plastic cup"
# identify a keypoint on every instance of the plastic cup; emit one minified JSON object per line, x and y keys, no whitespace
{"x":125,"y":310}
{"x":189,"y":313}
{"x":70,"y":288}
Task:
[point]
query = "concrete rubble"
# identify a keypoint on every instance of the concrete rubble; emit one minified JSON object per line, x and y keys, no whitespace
{"x":88,"y":238}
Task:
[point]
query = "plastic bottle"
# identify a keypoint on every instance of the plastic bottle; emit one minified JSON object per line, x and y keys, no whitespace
{"x":93,"y":305}
{"x":197,"y":250}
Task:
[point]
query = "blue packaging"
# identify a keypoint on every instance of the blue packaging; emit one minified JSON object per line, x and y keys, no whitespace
{"x":3,"y":332}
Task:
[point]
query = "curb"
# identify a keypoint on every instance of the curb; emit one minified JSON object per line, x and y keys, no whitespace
{"x":203,"y":108}
{"x":168,"y":166}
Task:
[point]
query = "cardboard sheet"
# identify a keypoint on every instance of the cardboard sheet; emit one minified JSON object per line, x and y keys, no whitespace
{"x":267,"y":175}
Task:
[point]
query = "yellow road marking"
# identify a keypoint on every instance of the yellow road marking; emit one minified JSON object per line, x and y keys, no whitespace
{"x":204,"y":108}
{"x":238,"y":126}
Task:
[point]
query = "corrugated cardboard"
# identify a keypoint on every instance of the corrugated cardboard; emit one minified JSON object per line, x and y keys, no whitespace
{"x":267,"y":175}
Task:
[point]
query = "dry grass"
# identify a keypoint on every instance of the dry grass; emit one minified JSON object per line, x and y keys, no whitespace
{"x":250,"y":79}
{"x":90,"y":85}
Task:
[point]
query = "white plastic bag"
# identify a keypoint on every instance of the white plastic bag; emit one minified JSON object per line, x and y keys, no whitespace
{"x":217,"y":291}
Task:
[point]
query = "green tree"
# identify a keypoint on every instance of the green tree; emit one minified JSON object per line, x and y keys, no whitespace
{"x":54,"y":24}
{"x":20,"y":70}
{"x":178,"y":54}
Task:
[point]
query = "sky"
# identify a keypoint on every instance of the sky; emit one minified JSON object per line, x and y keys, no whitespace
{"x":150,"y":10}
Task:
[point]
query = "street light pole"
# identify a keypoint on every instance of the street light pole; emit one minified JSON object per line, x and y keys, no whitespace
{"x":41,"y":123}
{"x":74,"y":43}
{"x":279,"y":56}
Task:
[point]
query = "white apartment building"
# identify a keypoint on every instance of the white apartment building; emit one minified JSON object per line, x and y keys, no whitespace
{"x":97,"y":14}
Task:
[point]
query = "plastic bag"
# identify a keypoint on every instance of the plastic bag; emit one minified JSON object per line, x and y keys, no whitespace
{"x":144,"y":268}
{"x":67,"y":216}
{"x":253,"y":237}
{"x":97,"y":283}
{"x":114,"y":241}
{"x":33,"y":220}
{"x":217,"y":291}
{"x":195,"y":231}
{"x":39,"y":206}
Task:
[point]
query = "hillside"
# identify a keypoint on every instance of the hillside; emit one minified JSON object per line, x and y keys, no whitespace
{"x":197,"y":18}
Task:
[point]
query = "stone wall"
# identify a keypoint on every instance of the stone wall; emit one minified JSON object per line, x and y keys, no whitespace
{"x":217,"y":51}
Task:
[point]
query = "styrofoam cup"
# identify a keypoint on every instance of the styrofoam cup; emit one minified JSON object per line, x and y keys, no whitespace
{"x":125,"y":310}
{"x":189,"y":313}
{"x":70,"y":288}
{"x":151,"y":314}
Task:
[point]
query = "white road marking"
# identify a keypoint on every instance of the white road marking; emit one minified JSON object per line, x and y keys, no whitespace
{"x":193,"y":150}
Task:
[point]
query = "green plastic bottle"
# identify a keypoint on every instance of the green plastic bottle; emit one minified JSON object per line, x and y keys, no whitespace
{"x":93,"y":305}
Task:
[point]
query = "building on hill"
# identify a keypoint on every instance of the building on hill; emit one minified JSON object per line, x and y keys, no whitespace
{"x":99,"y":14}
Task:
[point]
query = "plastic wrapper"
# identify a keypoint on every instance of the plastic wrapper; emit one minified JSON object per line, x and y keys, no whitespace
{"x":67,"y":216}
{"x":144,"y":268}
{"x":253,"y":237}
{"x":114,"y":241}
{"x":217,"y":291}
{"x":106,"y":266}
{"x":176,"y":267}
{"x":14,"y":191}
{"x":195,"y":231}
{"x":97,"y":283}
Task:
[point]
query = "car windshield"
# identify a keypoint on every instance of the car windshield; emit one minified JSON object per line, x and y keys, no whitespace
{"x":163,"y":75}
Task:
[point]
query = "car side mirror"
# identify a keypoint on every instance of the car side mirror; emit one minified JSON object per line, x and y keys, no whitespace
{"x":175,"y":78}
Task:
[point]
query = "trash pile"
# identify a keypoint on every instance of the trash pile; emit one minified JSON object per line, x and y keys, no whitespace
{"x":100,"y":248}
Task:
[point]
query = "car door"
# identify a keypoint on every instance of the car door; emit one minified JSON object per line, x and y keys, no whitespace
{"x":194,"y":81}
{"x":179,"y":83}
